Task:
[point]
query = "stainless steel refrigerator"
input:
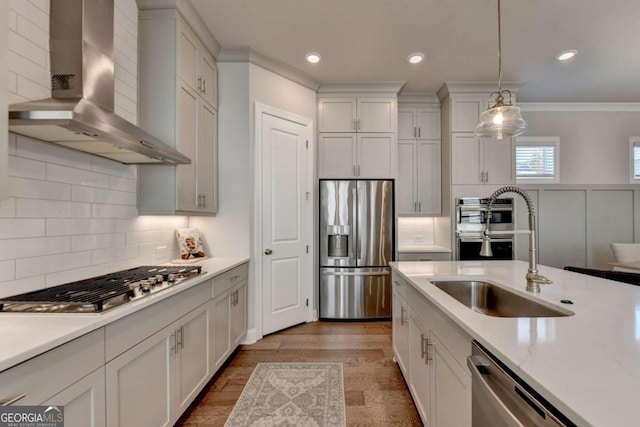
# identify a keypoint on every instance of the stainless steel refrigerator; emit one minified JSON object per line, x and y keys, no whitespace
{"x":356,"y":245}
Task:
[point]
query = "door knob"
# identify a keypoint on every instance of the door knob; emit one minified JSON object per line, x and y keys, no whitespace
{"x":268,"y":251}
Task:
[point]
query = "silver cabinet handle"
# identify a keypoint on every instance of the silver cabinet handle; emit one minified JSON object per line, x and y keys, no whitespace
{"x":414,"y":131}
{"x":419,"y":206}
{"x":204,"y":200}
{"x":355,"y":124}
{"x":200,"y":83}
{"x":419,"y":132}
{"x":268,"y":251}
{"x":487,"y":175}
{"x":423,"y":350}
{"x":415,"y":207}
{"x":402,"y":310}
{"x":204,"y":86}
{"x":397,"y":283}
{"x":427,"y":352}
{"x":182,"y":336}
{"x":11,"y":400}
{"x":175,"y":341}
{"x":179,"y":338}
{"x":358,"y":170}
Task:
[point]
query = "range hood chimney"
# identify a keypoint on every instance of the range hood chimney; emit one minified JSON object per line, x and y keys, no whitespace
{"x":80,"y":113}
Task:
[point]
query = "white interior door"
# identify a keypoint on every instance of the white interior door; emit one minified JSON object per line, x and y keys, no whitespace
{"x":286,"y":270}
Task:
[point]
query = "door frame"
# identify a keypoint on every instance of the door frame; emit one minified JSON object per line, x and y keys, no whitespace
{"x":311,"y":314}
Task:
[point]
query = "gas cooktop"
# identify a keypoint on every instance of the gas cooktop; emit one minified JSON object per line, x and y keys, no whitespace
{"x":98,"y":294}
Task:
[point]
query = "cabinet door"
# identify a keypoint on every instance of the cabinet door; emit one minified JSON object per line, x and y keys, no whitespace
{"x":420,"y":375}
{"x":451,"y":390}
{"x":465,"y":110}
{"x":208,"y":75}
{"x":186,"y":137}
{"x":407,"y":127}
{"x":428,"y":177}
{"x":466,"y":152}
{"x":139,"y":383}
{"x":238,"y":315}
{"x":84,"y":401}
{"x":400,"y":331}
{"x":428,"y":123}
{"x":406,"y":188}
{"x":207,"y":159}
{"x":376,"y":115}
{"x":188,"y":56}
{"x":193,"y":355}
{"x":337,"y":115}
{"x":221,"y":325}
{"x":376,"y":155}
{"x":337,"y":155}
{"x":498,"y":161}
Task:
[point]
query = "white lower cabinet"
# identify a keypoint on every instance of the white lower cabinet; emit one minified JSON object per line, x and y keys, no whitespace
{"x":83,"y":401}
{"x":438,"y":381}
{"x":155,"y":381}
{"x":400,"y":328}
{"x":229,"y":323}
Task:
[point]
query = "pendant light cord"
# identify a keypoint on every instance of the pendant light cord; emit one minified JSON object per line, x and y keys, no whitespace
{"x":499,"y":53}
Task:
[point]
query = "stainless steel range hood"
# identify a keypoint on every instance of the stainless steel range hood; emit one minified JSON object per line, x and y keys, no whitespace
{"x":79,"y":114}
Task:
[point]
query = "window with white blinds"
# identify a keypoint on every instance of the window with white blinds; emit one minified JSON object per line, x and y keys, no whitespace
{"x":634,"y":155}
{"x":537,"y":159}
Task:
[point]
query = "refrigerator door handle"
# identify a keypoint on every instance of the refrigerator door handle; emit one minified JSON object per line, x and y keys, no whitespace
{"x":353,"y":273}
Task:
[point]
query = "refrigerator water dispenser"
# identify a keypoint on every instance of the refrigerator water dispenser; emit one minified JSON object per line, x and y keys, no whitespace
{"x":338,"y":244}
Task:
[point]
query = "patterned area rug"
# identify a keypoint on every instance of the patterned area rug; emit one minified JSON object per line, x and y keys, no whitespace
{"x":292,"y":394}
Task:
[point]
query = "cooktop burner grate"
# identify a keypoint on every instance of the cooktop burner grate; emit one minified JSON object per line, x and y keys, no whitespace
{"x":98,"y":293}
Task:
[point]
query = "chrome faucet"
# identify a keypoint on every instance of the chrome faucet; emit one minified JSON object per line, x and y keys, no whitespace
{"x":533,"y":278}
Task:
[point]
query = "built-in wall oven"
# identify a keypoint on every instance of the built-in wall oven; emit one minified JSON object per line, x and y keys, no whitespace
{"x":471,"y":219}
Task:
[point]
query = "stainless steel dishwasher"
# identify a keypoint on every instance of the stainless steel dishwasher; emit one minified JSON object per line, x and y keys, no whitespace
{"x":502,"y":399}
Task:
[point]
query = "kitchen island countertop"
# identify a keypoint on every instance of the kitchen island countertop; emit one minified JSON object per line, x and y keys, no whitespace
{"x":587,"y":364}
{"x":26,"y":335}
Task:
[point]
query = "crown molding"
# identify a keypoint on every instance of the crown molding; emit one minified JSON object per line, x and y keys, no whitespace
{"x":362,"y":87}
{"x":449,"y":88}
{"x":189,"y":13}
{"x":602,"y":107}
{"x":277,"y":67}
{"x":419,"y":98}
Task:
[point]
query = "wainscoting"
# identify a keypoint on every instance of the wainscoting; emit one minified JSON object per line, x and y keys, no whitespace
{"x":576,"y":223}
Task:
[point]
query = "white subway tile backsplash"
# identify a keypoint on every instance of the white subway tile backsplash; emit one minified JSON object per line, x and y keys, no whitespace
{"x":123,"y":184}
{"x":139,"y":237}
{"x":32,"y":90}
{"x":43,"y":5}
{"x":26,"y":248}
{"x":113,"y":211}
{"x":110,"y":167}
{"x":35,"y":208}
{"x":19,"y":286}
{"x":37,"y":189}
{"x":36,"y":266}
{"x":35,"y":74}
{"x":97,"y":195}
{"x":51,"y":153}
{"x":69,"y":175}
{"x":13,"y":20}
{"x":72,"y":227}
{"x":28,"y":49}
{"x":8,"y":208}
{"x":12,"y":82}
{"x":30,"y":30}
{"x":14,"y":228}
{"x":130,"y":199}
{"x":100,"y":256}
{"x":26,"y":168}
{"x":7,"y":271}
{"x":97,"y":241}
{"x":61,"y":277}
{"x":33,"y":13}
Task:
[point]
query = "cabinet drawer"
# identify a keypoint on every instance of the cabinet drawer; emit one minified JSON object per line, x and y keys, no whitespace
{"x":424,"y":256}
{"x":123,"y":334}
{"x":457,"y":342}
{"x":46,"y":375}
{"x":226,"y":281}
{"x":399,"y":285}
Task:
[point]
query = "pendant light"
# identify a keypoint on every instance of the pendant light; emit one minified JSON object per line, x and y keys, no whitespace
{"x":502,"y":119}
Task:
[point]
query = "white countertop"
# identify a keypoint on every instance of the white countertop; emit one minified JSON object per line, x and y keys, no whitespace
{"x":423,"y":248}
{"x":25,"y":335}
{"x":587,"y":365}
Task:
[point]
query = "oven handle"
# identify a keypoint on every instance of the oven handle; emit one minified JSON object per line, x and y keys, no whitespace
{"x":479,"y":239}
{"x":482,"y":209}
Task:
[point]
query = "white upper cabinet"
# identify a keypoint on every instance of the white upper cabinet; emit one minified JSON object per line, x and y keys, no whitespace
{"x":357,"y":114}
{"x":466,"y":111}
{"x":418,"y":190}
{"x":178,"y":98}
{"x":361,"y":155}
{"x":481,"y":160}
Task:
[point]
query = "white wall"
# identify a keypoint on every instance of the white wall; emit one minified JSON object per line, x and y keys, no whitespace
{"x":594,"y":146}
{"x":241,"y":85}
{"x":71,"y":215}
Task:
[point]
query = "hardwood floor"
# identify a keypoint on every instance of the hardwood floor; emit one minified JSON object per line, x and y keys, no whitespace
{"x":375,"y":392}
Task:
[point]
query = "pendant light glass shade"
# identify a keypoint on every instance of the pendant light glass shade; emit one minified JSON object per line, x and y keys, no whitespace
{"x":499,"y":122}
{"x":503,"y":119}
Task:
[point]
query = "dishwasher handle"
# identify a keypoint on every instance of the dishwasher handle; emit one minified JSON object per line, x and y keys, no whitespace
{"x":479,"y":368}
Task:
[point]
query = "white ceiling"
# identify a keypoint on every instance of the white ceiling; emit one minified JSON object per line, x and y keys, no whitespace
{"x":369,"y":40}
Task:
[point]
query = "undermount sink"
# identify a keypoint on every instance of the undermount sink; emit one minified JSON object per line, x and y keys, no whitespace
{"x":493,"y":300}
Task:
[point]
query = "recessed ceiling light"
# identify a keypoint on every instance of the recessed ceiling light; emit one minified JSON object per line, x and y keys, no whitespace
{"x":567,"y":54}
{"x":415,"y":58}
{"x":313,"y":57}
